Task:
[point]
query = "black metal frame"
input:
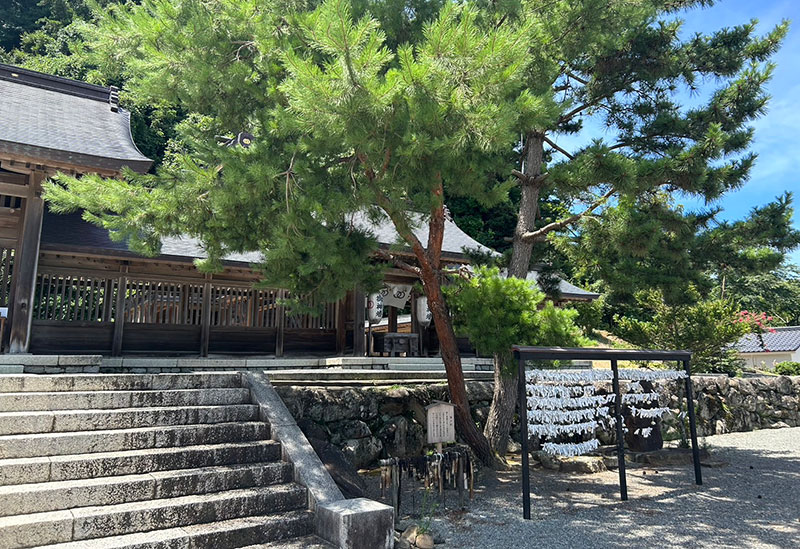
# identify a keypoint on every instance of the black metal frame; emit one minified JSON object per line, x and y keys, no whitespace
{"x":524,"y":354}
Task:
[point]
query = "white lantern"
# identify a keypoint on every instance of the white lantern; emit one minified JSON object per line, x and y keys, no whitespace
{"x":424,"y":316}
{"x":375,"y":308}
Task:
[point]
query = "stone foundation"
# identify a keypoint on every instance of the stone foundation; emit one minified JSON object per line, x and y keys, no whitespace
{"x":374,"y":422}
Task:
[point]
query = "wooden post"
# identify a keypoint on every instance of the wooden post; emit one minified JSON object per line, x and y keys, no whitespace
{"x":205,"y":328}
{"x":280,"y":319}
{"x":392,"y":319}
{"x":26,"y":263}
{"x":341,"y":330}
{"x":359,"y":315}
{"x":119,"y":316}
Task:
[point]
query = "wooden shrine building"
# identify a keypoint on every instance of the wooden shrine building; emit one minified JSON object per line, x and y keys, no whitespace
{"x":68,"y":288}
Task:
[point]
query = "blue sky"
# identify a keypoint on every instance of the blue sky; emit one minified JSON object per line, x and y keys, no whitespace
{"x":777,"y":135}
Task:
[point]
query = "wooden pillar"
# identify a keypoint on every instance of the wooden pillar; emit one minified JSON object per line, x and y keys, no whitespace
{"x":119,"y":316}
{"x":26,"y":263}
{"x":205,"y":327}
{"x":415,"y":326}
{"x":280,"y":319}
{"x":392,"y":319}
{"x":359,"y":315}
{"x":341,"y":330}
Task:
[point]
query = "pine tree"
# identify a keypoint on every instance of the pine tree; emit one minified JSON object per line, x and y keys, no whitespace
{"x":344,"y":128}
{"x":623,"y":63}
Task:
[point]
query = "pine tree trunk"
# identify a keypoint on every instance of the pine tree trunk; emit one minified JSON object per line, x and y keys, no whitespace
{"x":498,"y":423}
{"x":448,"y":346}
{"x":504,"y":399}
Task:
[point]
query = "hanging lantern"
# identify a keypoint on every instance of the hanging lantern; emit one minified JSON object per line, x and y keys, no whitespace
{"x":375,"y":308}
{"x":424,"y":316}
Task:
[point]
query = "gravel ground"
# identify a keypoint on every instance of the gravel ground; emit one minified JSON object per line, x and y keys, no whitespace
{"x":752,"y":500}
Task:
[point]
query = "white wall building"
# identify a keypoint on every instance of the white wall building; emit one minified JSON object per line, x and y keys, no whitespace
{"x":771,"y":348}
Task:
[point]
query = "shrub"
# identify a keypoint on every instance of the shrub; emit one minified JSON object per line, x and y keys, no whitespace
{"x":788,"y":368}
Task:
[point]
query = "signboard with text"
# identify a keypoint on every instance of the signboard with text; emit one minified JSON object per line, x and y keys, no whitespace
{"x":441,"y":422}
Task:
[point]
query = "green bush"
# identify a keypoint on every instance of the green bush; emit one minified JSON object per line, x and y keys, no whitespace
{"x":788,"y":368}
{"x":497,"y":312}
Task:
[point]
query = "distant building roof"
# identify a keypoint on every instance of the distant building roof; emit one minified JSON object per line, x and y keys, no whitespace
{"x":567,"y":290}
{"x":65,"y":121}
{"x":72,"y":232}
{"x":784,"y":339}
{"x":455,"y":241}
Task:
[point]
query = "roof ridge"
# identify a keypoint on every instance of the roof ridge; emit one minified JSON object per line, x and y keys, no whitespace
{"x":59,"y":84}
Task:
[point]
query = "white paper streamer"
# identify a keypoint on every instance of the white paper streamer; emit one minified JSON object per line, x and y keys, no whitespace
{"x":648,"y":413}
{"x":571,"y":402}
{"x":570,"y":449}
{"x":553,"y":430}
{"x":630,"y":374}
{"x":559,"y":391}
{"x":565,"y":416}
{"x":639,"y":398}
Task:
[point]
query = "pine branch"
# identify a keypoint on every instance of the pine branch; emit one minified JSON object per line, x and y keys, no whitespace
{"x":559,"y":149}
{"x":539,"y":234}
{"x":397,"y":262}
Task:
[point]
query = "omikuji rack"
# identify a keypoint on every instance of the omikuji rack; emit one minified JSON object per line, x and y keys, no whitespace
{"x":523,"y":354}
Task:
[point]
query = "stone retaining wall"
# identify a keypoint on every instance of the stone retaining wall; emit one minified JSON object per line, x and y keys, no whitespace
{"x":374,"y":422}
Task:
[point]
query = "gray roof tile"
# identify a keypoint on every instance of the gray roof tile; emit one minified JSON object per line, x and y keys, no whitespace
{"x":784,"y":339}
{"x":48,"y":118}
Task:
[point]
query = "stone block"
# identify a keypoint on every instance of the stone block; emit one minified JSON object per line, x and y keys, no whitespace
{"x":356,"y":524}
{"x":149,"y":362}
{"x":29,"y":360}
{"x":11,"y":368}
{"x":211,"y":363}
{"x":79,"y":360}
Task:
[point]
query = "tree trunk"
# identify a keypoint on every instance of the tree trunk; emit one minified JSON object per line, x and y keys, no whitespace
{"x":504,"y":399}
{"x":528,"y":207}
{"x":498,"y":423}
{"x":455,"y":376}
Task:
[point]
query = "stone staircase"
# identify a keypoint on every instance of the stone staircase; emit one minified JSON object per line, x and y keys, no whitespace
{"x":143,"y":461}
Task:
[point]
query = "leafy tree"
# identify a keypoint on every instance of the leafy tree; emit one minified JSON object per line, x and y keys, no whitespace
{"x":623,"y":64}
{"x":345,"y":129}
{"x":706,"y":327}
{"x":777,"y":292}
{"x":496,"y":312}
{"x":649,"y":243}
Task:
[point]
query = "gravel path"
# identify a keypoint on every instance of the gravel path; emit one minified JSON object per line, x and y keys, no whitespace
{"x":753,"y":500}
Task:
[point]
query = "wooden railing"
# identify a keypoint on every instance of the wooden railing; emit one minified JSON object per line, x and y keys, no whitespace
{"x":172,"y":316}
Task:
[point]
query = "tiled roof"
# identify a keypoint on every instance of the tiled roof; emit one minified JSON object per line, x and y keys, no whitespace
{"x":72,"y":231}
{"x":783,"y":339}
{"x":63,"y":120}
{"x":455,"y":240}
{"x":566,"y":289}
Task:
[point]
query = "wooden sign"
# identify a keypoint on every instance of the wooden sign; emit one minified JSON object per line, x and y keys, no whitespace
{"x":441,"y":422}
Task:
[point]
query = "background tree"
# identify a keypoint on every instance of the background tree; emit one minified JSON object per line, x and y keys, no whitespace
{"x":623,"y":63}
{"x":346,"y":130}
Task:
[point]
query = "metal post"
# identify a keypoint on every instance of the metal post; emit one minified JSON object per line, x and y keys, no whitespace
{"x":698,"y":475}
{"x":623,"y":481}
{"x":523,"y":429}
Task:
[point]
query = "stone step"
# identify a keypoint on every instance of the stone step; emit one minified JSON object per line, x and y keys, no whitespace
{"x":345,"y":374}
{"x":114,"y":440}
{"x":81,"y":400}
{"x":116,"y":382}
{"x":23,"y":499}
{"x":128,"y":518}
{"x":306,"y":542}
{"x":134,"y":462}
{"x":228,"y":534}
{"x":340,"y":383}
{"x":17,"y":423}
